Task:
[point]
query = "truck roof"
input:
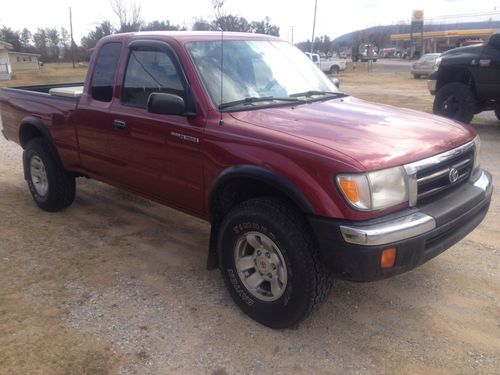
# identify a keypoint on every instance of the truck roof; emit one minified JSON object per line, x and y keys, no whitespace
{"x":189,"y":36}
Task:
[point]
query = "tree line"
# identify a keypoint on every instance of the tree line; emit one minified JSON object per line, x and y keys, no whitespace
{"x":54,"y":44}
{"x":51,"y":43}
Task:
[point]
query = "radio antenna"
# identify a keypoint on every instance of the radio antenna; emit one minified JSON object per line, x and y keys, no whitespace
{"x":221,"y":121}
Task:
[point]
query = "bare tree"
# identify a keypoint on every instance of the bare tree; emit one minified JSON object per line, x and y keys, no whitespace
{"x":218,"y":6}
{"x":129,"y":15}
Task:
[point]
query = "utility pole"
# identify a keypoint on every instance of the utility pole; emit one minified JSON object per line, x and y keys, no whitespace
{"x":293,"y":27}
{"x":314,"y":25}
{"x":72,"y":41}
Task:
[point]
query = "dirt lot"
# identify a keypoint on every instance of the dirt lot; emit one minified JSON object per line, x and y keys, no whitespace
{"x":117,"y":284}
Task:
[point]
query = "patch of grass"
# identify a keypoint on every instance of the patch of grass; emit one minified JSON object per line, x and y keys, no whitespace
{"x":49,"y":73}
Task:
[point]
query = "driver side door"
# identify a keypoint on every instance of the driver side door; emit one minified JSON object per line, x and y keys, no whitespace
{"x":156,"y":154}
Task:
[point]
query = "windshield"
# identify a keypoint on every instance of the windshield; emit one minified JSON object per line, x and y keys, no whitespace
{"x":256,"y":69}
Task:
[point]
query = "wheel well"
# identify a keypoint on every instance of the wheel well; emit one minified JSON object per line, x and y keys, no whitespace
{"x":27,"y":133}
{"x":30,"y":129}
{"x":241,"y":189}
{"x":455,"y":75}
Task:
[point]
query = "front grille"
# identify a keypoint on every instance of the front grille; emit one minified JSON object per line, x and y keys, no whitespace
{"x":436,"y":179}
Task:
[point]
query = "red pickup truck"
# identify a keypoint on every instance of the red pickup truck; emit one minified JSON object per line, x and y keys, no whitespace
{"x":298,"y":180}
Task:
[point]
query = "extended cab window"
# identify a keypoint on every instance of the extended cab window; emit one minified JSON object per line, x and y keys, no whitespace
{"x":149,"y":71}
{"x":103,"y":80}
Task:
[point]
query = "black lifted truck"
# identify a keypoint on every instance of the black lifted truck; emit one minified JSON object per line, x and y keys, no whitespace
{"x":467,"y":81}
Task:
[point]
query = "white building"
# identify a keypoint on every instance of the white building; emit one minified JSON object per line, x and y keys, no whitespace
{"x":5,"y":67}
{"x":13,"y":62}
{"x":20,"y":61}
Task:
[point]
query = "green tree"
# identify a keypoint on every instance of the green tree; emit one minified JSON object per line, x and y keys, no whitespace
{"x":41,"y":42}
{"x":53,"y":42}
{"x":10,"y":36}
{"x":104,"y":29}
{"x":161,"y":26}
{"x":64,"y":43}
{"x":265,"y":27}
{"x":201,"y":24}
{"x":26,"y":39}
{"x":231,"y":23}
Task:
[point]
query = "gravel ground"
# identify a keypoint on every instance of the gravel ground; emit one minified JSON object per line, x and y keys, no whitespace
{"x":117,"y":284}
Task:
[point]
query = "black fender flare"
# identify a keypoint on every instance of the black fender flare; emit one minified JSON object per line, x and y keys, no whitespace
{"x":264,"y":175}
{"x":37,"y":123}
{"x":255,"y":173}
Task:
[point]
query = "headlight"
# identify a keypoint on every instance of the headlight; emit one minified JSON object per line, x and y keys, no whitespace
{"x":477,"y":148}
{"x":374,"y":190}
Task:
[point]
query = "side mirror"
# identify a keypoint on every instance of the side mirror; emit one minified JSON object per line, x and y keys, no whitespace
{"x":166,"y":104}
{"x":494,"y":41}
{"x":336,"y":82}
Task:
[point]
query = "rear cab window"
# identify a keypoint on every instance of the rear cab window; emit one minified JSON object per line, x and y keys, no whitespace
{"x":103,"y":80}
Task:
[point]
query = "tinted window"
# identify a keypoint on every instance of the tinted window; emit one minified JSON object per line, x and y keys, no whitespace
{"x":149,"y":71}
{"x":105,"y":70}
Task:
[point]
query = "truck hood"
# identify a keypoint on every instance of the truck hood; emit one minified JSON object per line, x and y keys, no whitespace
{"x":472,"y":49}
{"x":376,"y":136}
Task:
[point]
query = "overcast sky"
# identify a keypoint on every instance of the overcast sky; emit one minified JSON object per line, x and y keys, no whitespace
{"x":334,"y":17}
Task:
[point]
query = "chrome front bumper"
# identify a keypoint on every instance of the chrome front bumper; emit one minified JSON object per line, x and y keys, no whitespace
{"x":401,"y":228}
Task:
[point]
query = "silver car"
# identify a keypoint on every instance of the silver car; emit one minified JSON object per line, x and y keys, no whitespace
{"x":424,"y":65}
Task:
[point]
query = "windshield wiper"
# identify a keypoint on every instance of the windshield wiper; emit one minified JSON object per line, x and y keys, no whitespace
{"x":255,"y":99}
{"x":310,"y":93}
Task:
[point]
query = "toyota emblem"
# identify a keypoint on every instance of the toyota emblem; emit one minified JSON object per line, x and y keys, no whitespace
{"x":453,"y":175}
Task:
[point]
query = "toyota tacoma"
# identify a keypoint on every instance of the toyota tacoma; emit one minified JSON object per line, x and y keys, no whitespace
{"x":299,"y":181}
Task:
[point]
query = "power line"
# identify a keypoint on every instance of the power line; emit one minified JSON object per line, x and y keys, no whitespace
{"x":466,"y":15}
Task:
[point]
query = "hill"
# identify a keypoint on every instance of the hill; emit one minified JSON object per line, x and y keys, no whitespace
{"x":381,"y":34}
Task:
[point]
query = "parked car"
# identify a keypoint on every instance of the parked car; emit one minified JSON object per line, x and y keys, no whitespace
{"x":330,"y":65}
{"x":298,"y":180}
{"x":467,"y":81}
{"x":425,"y":65}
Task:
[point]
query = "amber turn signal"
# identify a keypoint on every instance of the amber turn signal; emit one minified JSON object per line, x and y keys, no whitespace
{"x":350,"y":190}
{"x":388,"y":257}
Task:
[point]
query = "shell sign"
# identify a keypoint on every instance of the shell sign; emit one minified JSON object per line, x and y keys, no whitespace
{"x":417,"y":16}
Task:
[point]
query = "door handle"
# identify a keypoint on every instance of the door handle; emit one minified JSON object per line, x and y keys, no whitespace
{"x":119,"y":124}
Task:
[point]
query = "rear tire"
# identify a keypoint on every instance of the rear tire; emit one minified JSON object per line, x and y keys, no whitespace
{"x":417,"y":76}
{"x":456,"y":101}
{"x":51,"y":187}
{"x":334,"y":69}
{"x":270,"y":262}
{"x":497,"y":113}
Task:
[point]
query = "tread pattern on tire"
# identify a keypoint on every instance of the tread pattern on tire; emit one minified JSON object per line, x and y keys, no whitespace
{"x":469,"y":101}
{"x":286,"y":216}
{"x":62,"y":188}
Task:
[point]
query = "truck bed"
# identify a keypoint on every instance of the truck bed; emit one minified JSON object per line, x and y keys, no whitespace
{"x":34,"y":104}
{"x":43,"y":89}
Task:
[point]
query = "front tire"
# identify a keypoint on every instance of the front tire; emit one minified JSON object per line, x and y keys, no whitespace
{"x":416,"y":76}
{"x":497,"y":113}
{"x":51,"y":187}
{"x":455,"y":100}
{"x":270,"y":262}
